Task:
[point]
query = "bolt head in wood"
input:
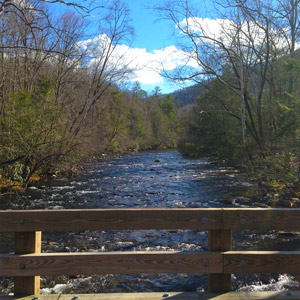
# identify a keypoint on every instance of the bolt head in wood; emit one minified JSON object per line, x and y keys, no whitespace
{"x":204,"y":220}
{"x":243,"y":263}
{"x":204,"y":262}
{"x":22,"y":265}
{"x":22,"y":221}
{"x":243,"y":221}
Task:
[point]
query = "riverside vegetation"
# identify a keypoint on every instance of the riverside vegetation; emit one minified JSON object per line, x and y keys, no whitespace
{"x":61,"y":100}
{"x":248,"y":110}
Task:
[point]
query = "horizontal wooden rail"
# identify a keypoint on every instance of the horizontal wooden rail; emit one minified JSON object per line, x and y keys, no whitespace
{"x":109,"y":219}
{"x":263,"y":262}
{"x":110,"y":263}
{"x":258,"y":219}
{"x":154,"y":262}
{"x":261,"y":219}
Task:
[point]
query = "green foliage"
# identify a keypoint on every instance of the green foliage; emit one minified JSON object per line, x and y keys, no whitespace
{"x":116,"y":116}
{"x":288,"y":117}
{"x":168,"y":107}
{"x":113,"y":147}
{"x":275,"y":169}
{"x":128,"y":121}
{"x":136,"y":124}
{"x":33,"y":132}
{"x":210,"y":130}
{"x":213,"y":125}
{"x":190,"y":150}
{"x":165,"y":124}
{"x":14,"y":172}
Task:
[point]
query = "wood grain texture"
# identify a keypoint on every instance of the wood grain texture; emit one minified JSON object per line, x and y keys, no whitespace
{"x":110,"y":219}
{"x":30,"y":297}
{"x":114,"y":296}
{"x":136,"y":296}
{"x":280,"y":295}
{"x":219,"y":240}
{"x":110,"y":263}
{"x":264,"y":262}
{"x":259,"y":219}
{"x":262,"y":219}
{"x":27,"y":242}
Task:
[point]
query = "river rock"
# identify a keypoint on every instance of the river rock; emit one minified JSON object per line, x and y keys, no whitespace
{"x":295,"y":202}
{"x":289,"y":233}
{"x":228,"y":200}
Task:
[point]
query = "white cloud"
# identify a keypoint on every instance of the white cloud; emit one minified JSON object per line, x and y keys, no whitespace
{"x":224,"y":30}
{"x":213,"y":28}
{"x":23,"y":4}
{"x":146,"y":66}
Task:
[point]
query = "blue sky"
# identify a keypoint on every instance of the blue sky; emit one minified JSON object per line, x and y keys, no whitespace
{"x":156,"y":36}
{"x":154,"y":42}
{"x":151,"y":34}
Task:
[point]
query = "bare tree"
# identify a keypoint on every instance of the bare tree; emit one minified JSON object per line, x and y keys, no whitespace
{"x":287,"y":22}
{"x":238,"y":55}
{"x":51,"y":66}
{"x":84,"y":8}
{"x":104,"y":65}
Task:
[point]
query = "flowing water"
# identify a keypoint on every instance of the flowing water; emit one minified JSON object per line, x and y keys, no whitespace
{"x":150,"y":179}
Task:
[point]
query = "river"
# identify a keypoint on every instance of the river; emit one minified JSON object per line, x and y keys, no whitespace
{"x":149,"y":179}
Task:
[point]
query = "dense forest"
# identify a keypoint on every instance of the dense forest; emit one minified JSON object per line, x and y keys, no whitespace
{"x":61,"y":101}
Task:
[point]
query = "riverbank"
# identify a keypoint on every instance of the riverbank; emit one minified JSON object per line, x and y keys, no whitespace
{"x":65,"y":172}
{"x":276,"y":177}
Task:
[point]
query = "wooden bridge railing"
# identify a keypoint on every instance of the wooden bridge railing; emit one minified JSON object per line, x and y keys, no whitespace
{"x":28,"y":263}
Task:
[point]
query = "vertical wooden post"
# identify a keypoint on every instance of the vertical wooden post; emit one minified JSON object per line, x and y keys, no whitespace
{"x":219,"y":240}
{"x":27,"y":242}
